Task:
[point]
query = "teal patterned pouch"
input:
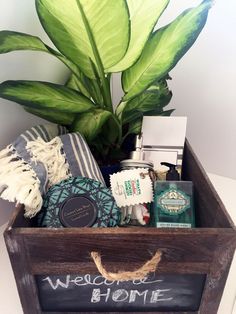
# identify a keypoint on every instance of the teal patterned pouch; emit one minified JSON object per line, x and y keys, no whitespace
{"x":79,"y":202}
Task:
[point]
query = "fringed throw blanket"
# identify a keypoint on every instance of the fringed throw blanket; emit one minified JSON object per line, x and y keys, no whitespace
{"x":65,"y":156}
{"x":21,"y":179}
{"x":39,"y":158}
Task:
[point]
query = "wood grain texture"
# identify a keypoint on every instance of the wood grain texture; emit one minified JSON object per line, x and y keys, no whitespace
{"x":207,"y":249}
{"x":45,"y":268}
{"x":24,"y":278}
{"x":217,"y":276}
{"x":210,"y":211}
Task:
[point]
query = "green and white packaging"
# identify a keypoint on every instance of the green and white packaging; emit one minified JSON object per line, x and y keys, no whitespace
{"x":173,"y":205}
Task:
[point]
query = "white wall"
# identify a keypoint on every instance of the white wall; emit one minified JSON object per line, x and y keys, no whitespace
{"x":204,"y":89}
{"x":203,"y":85}
{"x":203,"y":82}
{"x":21,"y":16}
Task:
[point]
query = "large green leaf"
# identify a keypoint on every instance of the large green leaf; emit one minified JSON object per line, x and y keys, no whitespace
{"x":164,"y":49}
{"x":12,"y":41}
{"x":165,"y":113}
{"x":86,"y":31}
{"x":156,"y":97}
{"x":88,"y":87}
{"x":77,"y":83}
{"x":143,"y":17}
{"x":135,"y":127}
{"x":90,"y":123}
{"x":63,"y":118}
{"x":42,"y":95}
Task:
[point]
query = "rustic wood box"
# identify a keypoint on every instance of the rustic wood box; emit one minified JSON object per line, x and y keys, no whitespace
{"x":203,"y":253}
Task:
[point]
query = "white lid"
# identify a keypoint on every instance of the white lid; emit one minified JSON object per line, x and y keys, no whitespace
{"x":136,"y":163}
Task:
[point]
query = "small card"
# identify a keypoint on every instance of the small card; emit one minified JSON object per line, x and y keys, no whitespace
{"x":163,"y":140}
{"x":132,"y":187}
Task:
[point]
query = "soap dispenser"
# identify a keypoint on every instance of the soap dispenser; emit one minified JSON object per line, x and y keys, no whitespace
{"x":172,"y":173}
{"x":139,"y":214}
{"x":173,"y":201}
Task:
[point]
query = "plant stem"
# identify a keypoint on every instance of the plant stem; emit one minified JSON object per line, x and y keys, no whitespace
{"x":105,"y":85}
{"x":107,"y":93}
{"x":124,"y":137}
{"x":119,"y":129}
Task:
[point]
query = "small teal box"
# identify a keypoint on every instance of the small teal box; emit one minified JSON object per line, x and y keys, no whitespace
{"x":173,"y":204}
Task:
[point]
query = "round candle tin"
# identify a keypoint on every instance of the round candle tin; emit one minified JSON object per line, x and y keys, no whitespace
{"x":79,"y":202}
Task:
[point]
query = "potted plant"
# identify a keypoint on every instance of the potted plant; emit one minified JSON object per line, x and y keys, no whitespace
{"x":95,"y":39}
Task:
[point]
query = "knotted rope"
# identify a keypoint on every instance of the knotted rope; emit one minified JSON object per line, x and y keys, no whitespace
{"x":138,"y":274}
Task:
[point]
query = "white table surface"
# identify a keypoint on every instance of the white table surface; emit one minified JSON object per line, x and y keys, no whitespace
{"x":226,"y":188}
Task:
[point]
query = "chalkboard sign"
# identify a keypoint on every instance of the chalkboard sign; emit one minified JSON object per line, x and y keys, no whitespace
{"x":94,"y":293}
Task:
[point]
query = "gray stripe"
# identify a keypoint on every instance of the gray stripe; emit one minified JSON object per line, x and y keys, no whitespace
{"x":33,"y":134}
{"x":23,"y":137}
{"x":37,"y":133}
{"x":44,"y":184}
{"x":19,"y":145}
{"x":45,"y":132}
{"x":40,"y":132}
{"x":93,"y":164}
{"x":68,"y":143}
{"x":61,"y":129}
{"x":80,"y":155}
{"x":89,"y":158}
{"x":27,"y":135}
{"x":77,"y":153}
{"x":41,"y":172}
{"x":39,"y":168}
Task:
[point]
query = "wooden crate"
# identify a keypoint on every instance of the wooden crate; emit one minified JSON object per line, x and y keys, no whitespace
{"x":206,"y":250}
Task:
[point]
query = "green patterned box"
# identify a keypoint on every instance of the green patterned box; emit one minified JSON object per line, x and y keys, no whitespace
{"x":173,"y":205}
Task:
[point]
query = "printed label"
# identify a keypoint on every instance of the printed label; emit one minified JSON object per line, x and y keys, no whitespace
{"x":132,"y":187}
{"x":78,"y":211}
{"x":173,"y":201}
{"x":172,"y":225}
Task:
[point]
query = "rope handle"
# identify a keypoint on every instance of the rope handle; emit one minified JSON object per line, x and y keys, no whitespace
{"x":138,"y":274}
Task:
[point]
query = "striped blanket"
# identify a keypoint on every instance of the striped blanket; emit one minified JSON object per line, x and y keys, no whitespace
{"x":39,"y":158}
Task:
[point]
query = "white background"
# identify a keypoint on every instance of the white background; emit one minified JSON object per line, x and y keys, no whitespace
{"x":203,"y":83}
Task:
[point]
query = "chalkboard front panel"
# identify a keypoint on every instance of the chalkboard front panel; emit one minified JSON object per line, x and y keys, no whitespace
{"x":94,"y":293}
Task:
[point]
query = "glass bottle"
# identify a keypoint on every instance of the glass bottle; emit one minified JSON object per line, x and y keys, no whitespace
{"x":137,"y":215}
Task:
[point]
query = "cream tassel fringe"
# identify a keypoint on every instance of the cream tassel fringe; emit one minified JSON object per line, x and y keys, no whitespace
{"x":18,"y":182}
{"x":50,"y":154}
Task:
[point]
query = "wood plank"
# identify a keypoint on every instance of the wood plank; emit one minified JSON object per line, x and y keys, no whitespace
{"x":210,"y":211}
{"x":120,"y":247}
{"x":24,"y":279}
{"x":47,"y":268}
{"x":216,"y":279}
